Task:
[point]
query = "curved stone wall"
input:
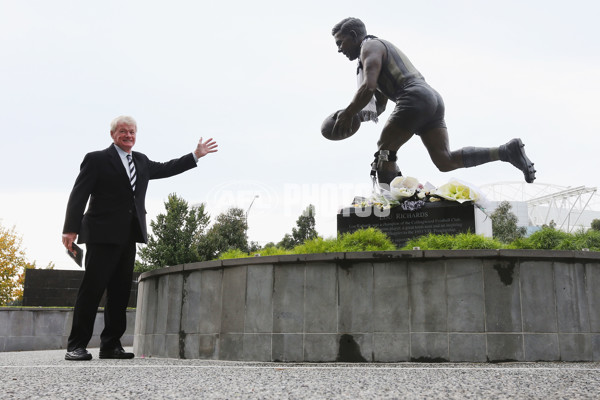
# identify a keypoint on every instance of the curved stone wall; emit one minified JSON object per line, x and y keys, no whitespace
{"x":48,"y":328}
{"x":430,"y":306}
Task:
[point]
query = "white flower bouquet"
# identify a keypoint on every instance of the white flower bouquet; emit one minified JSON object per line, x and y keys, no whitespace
{"x":408,"y":191}
{"x":456,"y":190}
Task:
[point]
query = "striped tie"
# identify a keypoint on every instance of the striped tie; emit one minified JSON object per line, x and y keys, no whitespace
{"x":132,"y":174}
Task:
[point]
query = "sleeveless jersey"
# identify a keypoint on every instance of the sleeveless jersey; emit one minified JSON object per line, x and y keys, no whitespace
{"x":396,"y":72}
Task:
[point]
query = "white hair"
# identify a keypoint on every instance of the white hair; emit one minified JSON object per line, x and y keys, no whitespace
{"x":122,"y":119}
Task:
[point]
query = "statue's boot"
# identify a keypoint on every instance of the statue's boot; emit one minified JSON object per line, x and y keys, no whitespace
{"x":514,"y":153}
{"x":387,"y":173}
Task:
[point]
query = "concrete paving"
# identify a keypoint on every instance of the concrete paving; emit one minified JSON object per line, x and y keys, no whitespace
{"x":46,"y":375}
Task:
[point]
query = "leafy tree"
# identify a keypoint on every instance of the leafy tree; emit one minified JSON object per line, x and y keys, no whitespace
{"x":596,"y":225}
{"x":12,"y":266}
{"x":253,"y":246}
{"x":227,"y":233}
{"x":504,"y":224}
{"x":305,"y":230}
{"x":287,"y":242}
{"x":306,"y":226}
{"x":175,"y":236}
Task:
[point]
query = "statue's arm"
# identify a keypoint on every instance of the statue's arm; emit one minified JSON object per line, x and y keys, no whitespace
{"x":372,"y":59}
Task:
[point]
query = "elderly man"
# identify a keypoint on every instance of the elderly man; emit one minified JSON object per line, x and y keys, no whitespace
{"x":115,"y":182}
{"x":386,"y":73}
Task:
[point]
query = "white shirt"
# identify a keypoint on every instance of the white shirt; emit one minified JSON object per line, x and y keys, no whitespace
{"x":123,"y":154}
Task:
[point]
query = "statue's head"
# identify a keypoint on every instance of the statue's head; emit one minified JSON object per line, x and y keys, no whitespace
{"x":348,"y":35}
{"x":350,"y":24}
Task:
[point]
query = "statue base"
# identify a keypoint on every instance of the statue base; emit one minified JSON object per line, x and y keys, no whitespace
{"x":444,"y":217}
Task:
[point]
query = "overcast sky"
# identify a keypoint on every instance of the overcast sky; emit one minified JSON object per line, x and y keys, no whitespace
{"x":259,"y":77}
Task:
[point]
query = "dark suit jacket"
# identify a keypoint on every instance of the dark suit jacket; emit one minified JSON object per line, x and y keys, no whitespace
{"x":112,"y":203}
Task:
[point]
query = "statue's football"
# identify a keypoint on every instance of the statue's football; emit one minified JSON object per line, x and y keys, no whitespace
{"x":327,"y":127}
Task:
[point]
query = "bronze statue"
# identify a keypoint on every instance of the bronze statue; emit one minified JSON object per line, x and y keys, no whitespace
{"x":384,"y":72}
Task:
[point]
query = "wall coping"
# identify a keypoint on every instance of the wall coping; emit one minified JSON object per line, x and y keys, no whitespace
{"x":41,"y":308}
{"x":382,"y":256}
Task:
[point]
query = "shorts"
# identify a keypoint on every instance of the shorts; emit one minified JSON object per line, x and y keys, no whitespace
{"x":419,"y":108}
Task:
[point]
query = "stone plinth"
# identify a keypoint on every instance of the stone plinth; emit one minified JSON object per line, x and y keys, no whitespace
{"x":462,"y":305}
{"x":444,"y":217}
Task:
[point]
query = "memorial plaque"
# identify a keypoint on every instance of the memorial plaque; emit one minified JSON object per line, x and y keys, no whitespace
{"x":444,"y":217}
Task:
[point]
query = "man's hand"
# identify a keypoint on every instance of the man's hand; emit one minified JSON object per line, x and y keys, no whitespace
{"x":210,"y":146}
{"x":343,"y":124}
{"x":68,"y":239}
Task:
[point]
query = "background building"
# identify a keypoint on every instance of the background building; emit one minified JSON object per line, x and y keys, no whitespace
{"x":537,"y":204}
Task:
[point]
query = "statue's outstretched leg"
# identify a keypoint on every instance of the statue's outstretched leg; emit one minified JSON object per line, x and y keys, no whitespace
{"x":514,"y":153}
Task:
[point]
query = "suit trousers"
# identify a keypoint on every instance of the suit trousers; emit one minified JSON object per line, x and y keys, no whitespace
{"x":107,"y":267}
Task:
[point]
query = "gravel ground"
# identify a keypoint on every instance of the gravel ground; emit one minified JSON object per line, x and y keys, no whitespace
{"x":46,"y":375}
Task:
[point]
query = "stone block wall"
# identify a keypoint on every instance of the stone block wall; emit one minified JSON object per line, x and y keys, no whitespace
{"x":24,"y":328}
{"x":58,"y":288}
{"x":430,"y":306}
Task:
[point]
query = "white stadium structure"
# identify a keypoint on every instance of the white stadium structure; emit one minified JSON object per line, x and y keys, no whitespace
{"x":537,"y":204}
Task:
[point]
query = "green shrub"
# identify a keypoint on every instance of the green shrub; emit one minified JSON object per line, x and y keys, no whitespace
{"x":372,"y":239}
{"x":581,"y":240}
{"x":591,"y":240}
{"x":462,"y":241}
{"x":266,"y":251}
{"x":468,"y":241}
{"x":317,"y":245}
{"x":520,"y":243}
{"x":369,"y":239}
{"x":361,"y":240}
{"x":233,"y":253}
{"x":271,"y":251}
{"x":430,"y":242}
{"x":548,"y":238}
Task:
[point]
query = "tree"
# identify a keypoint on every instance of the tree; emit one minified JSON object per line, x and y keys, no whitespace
{"x":227,"y":233}
{"x":12,"y":266}
{"x":175,"y":236}
{"x":504,"y":224}
{"x":306,"y":226}
{"x":253,"y":247}
{"x":287,"y":242}
{"x":596,"y":224}
{"x":305,"y":229}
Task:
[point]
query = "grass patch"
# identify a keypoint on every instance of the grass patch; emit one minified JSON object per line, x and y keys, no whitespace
{"x":369,"y":239}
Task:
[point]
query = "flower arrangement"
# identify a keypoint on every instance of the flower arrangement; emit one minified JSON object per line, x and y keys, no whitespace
{"x":458,"y":191}
{"x":410,"y":194}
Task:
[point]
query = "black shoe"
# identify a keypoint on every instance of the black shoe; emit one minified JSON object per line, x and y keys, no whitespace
{"x":514,"y":153}
{"x":79,"y":354}
{"x":118,"y":353}
{"x":385,"y":177}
